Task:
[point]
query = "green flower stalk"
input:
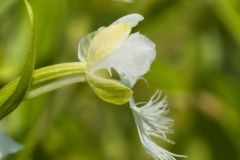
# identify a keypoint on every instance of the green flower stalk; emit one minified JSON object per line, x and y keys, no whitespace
{"x":47,"y":79}
{"x":130,"y":55}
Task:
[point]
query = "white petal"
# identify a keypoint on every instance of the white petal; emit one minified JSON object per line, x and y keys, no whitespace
{"x":7,"y":146}
{"x":132,"y":59}
{"x":134,"y":19}
{"x":151,"y":122}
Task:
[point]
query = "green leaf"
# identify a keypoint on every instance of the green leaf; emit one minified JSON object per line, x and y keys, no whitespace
{"x":7,"y":146}
{"x":26,"y":79}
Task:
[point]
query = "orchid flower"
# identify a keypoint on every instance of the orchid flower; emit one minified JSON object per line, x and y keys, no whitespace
{"x":130,"y":55}
{"x":112,"y":47}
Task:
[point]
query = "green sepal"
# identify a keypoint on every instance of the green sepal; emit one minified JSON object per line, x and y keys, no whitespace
{"x":109,"y":90}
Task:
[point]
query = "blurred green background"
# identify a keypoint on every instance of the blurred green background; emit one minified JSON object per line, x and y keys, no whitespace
{"x":197,"y":66}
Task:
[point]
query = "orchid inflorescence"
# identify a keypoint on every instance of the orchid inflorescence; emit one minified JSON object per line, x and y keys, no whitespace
{"x":108,"y":48}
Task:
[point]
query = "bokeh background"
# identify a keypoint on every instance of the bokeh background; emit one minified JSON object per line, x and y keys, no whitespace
{"x":197,"y":66}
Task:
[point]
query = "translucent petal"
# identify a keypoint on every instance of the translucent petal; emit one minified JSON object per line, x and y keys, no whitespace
{"x":85,"y":43}
{"x":7,"y":146}
{"x":106,"y":41}
{"x":133,"y":19}
{"x":132,"y":59}
{"x":109,"y":90}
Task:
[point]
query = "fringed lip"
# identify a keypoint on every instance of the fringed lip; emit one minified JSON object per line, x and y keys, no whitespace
{"x":152,"y":121}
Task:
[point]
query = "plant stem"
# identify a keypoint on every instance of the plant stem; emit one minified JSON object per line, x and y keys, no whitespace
{"x":70,"y":72}
{"x":54,"y":85}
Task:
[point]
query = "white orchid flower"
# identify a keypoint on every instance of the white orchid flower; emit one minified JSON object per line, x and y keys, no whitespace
{"x":131,"y":55}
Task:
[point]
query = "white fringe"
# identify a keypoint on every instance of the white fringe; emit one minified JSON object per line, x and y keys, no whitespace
{"x":151,"y":122}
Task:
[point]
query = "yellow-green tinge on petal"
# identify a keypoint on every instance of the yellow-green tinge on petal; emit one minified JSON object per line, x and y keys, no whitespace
{"x":106,"y":41}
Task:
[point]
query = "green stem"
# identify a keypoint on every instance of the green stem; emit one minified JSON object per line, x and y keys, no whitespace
{"x":69,"y":72}
{"x":55,"y":85}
